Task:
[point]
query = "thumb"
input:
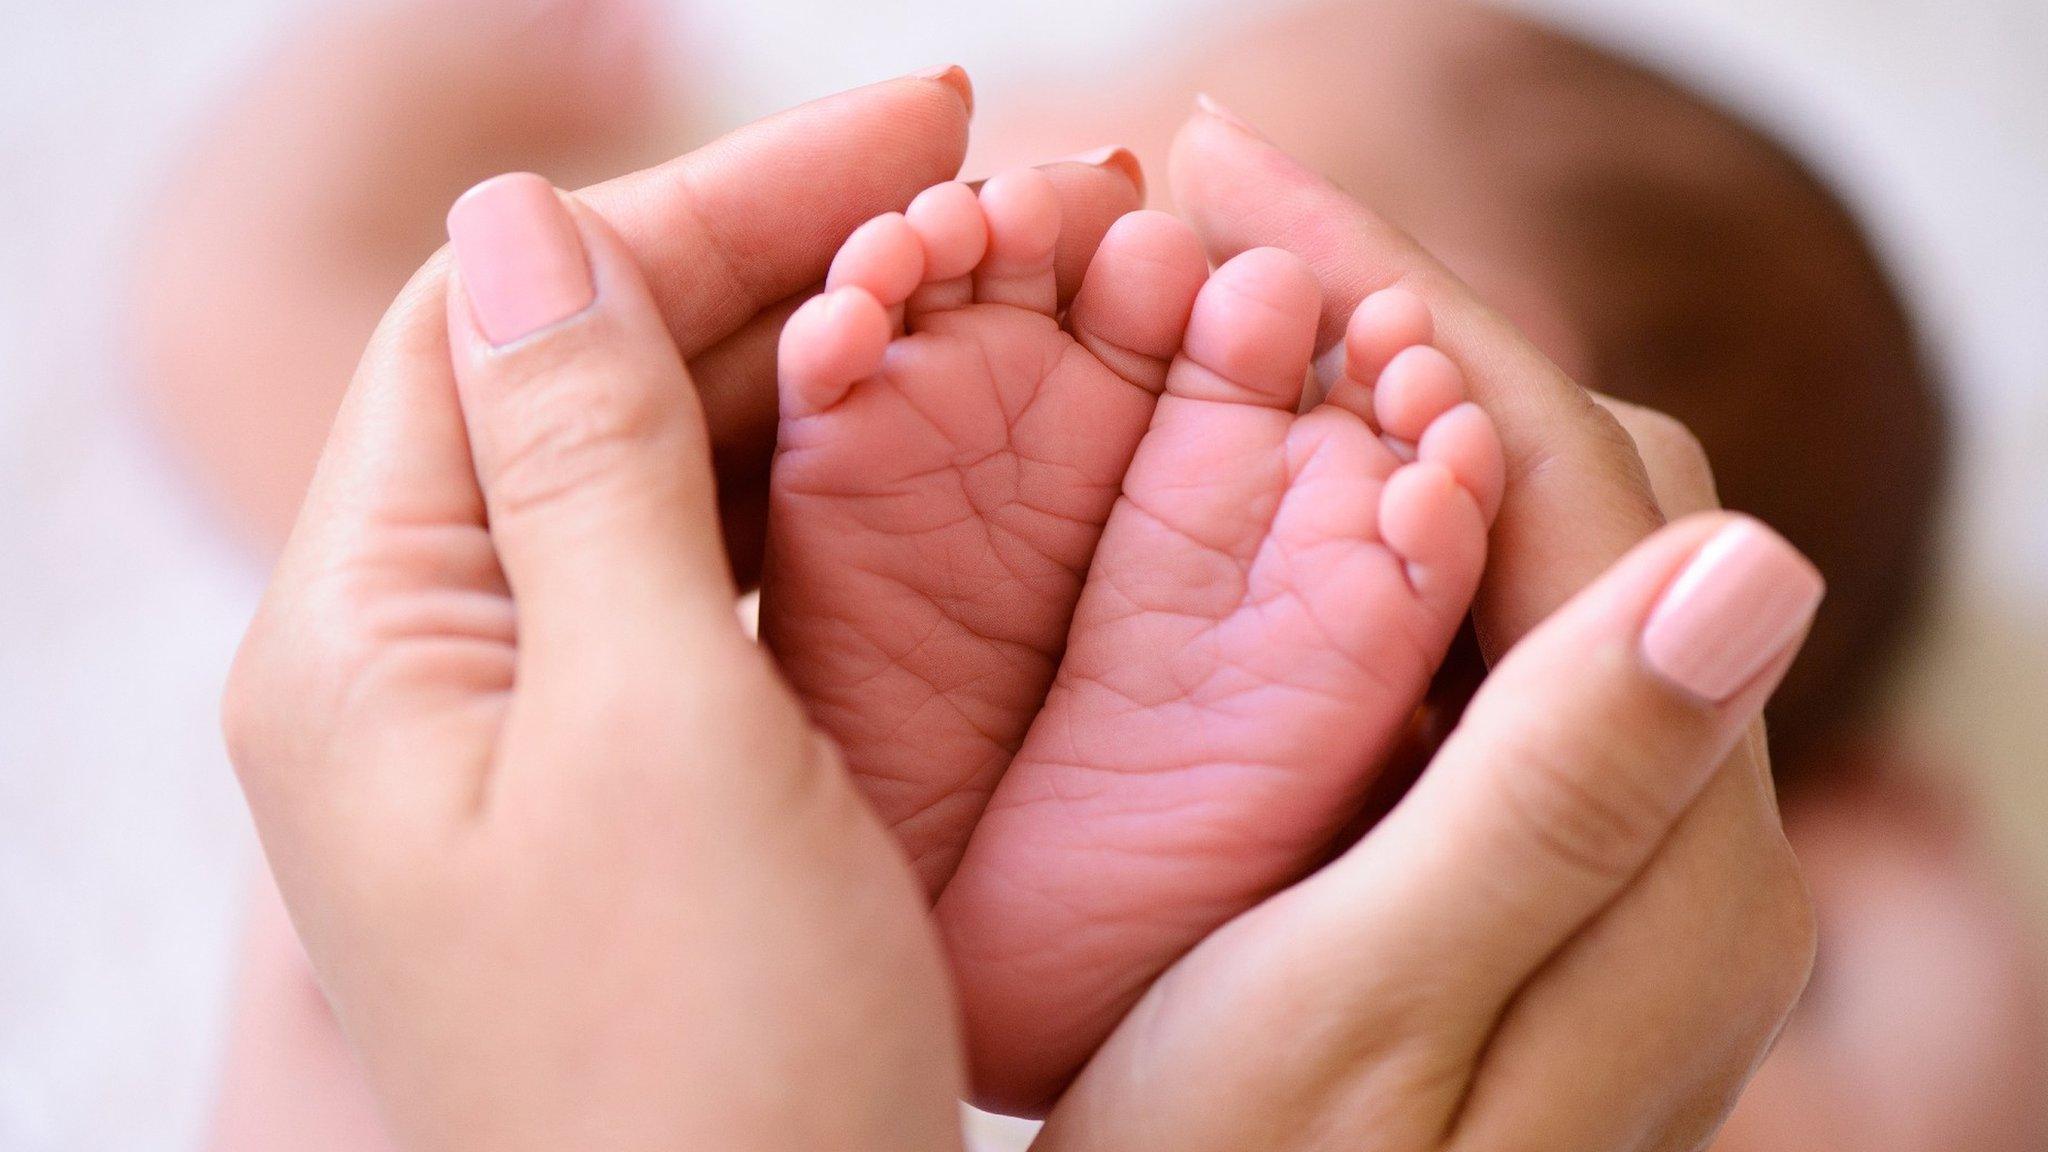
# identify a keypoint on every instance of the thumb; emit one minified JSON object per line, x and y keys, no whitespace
{"x":1586,"y":745}
{"x":588,"y":438}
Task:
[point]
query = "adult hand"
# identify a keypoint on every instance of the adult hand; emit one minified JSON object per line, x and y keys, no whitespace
{"x":1583,"y":927}
{"x":569,"y":859}
{"x":733,"y":237}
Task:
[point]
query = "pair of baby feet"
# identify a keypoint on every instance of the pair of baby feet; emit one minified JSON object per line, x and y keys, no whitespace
{"x":1113,"y":636}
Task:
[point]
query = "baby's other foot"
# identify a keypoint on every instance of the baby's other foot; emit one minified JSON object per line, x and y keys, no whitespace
{"x":947,"y":457}
{"x":1269,"y":601}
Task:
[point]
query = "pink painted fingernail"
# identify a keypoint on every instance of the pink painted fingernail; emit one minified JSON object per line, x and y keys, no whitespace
{"x":1746,"y":597}
{"x":952,"y":76}
{"x":520,"y":255}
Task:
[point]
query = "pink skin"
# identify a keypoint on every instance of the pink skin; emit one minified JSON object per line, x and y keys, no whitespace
{"x":1267,"y":606}
{"x":1269,"y":598}
{"x":933,"y":509}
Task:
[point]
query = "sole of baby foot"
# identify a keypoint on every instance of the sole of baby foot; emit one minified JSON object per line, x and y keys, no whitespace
{"x":948,"y":454}
{"x":1266,"y":607}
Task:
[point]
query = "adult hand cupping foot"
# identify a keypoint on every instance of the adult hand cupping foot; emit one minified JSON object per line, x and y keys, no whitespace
{"x":581,"y":874}
{"x":1584,"y":927}
{"x":593,"y":880}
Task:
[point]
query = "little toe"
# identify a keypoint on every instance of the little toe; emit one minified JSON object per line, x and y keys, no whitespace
{"x":1417,"y":386}
{"x":1023,"y":212}
{"x":1435,"y":526}
{"x":1465,"y":441}
{"x":949,"y":222}
{"x":1135,"y":299}
{"x":884,"y":257}
{"x":1251,"y":333}
{"x":828,"y":344}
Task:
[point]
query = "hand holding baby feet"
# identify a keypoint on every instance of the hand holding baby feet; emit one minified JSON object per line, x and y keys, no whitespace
{"x":948,"y":455}
{"x":1265,"y":610}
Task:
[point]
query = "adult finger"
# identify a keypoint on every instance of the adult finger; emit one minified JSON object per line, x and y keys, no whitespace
{"x":395,"y":462}
{"x":587,"y":435}
{"x":1681,"y":478}
{"x":1587,"y":745}
{"x":1577,"y":497}
{"x":754,"y":216}
{"x":757,"y":215}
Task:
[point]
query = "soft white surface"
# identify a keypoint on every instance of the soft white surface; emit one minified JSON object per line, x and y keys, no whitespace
{"x":122,"y":845}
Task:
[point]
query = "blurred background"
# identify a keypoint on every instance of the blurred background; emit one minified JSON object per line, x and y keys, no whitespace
{"x":176,"y":176}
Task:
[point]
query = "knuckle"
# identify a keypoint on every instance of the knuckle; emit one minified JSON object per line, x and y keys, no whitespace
{"x":1584,"y":804}
{"x":561,"y":433}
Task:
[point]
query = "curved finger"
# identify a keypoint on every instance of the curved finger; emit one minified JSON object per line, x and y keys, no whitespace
{"x":586,"y":432}
{"x":393,"y":516}
{"x":1586,"y":746}
{"x":737,"y":225}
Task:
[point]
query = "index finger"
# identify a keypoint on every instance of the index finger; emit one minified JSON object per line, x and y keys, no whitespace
{"x":1577,"y":496}
{"x":755,"y":216}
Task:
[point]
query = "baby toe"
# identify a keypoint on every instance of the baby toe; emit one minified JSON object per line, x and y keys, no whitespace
{"x":949,"y":222}
{"x":1133,"y":305}
{"x":1417,"y":386}
{"x":1251,"y":333}
{"x":1435,"y":526}
{"x":1023,"y":214}
{"x":828,"y":344}
{"x":883,"y":256}
{"x":1381,"y":326}
{"x":1465,"y":441}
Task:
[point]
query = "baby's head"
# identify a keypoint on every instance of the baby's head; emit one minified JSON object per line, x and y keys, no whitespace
{"x":1659,"y":249}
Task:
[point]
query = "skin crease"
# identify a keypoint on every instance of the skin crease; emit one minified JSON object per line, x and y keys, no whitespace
{"x":322,"y":341}
{"x":337,"y":916}
{"x":730,"y":378}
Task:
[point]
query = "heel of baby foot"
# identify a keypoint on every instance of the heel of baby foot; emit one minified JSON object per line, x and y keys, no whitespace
{"x":829,"y":344}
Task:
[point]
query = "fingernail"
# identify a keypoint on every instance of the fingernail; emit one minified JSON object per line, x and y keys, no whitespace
{"x":1210,"y":105}
{"x":952,"y":76}
{"x":1745,"y":598}
{"x":520,"y":256}
{"x":1114,"y":156}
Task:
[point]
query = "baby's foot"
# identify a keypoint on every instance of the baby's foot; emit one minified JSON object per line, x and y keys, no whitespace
{"x":947,"y":457}
{"x":1268,"y":603}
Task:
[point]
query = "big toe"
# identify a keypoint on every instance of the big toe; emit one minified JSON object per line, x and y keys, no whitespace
{"x":1251,"y":333}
